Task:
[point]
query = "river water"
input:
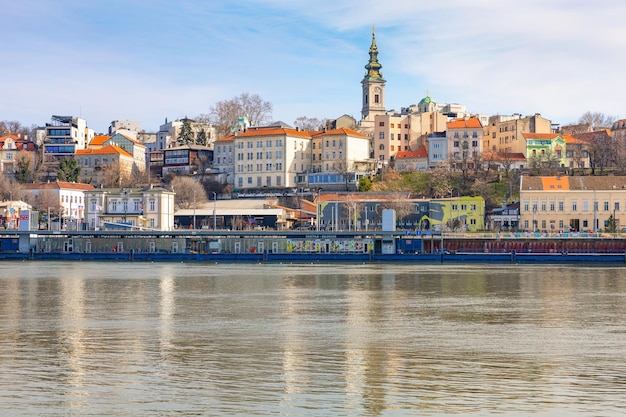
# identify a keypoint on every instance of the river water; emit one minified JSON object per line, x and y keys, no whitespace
{"x":121,"y":339}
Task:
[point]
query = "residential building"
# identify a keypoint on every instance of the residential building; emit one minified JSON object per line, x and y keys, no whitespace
{"x":223,"y":159}
{"x":109,"y":163}
{"x":105,"y":152}
{"x":465,"y":142}
{"x":186,"y":160}
{"x":126,"y":127}
{"x":339,"y":158}
{"x":576,"y":153}
{"x":438,"y":148}
{"x":169,"y":132}
{"x":10,"y":146}
{"x":62,"y":201}
{"x":505,"y":133}
{"x":407,"y":130}
{"x":572,"y":203}
{"x":271,"y":157}
{"x":412,"y":160}
{"x":504,"y":160}
{"x":63,"y":137}
{"x":150,"y":208}
{"x":545,"y":148}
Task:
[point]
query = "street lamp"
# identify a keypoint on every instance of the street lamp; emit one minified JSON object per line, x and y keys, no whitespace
{"x":214,"y":210}
{"x":194,"y":209}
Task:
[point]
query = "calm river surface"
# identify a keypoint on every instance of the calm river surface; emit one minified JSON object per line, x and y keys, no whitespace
{"x":132,"y":339}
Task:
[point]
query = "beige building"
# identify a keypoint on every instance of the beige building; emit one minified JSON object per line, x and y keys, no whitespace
{"x":465,"y":142}
{"x":406,"y":131}
{"x":271,"y":157}
{"x":150,"y":208}
{"x":572,"y":204}
{"x":505,"y":133}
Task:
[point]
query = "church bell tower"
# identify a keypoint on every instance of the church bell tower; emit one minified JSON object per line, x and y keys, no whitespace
{"x":373,"y":85}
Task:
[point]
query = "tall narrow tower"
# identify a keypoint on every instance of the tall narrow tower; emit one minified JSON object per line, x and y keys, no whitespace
{"x":373,"y":85}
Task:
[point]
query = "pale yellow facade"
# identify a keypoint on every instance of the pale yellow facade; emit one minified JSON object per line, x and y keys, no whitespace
{"x":572,"y":204}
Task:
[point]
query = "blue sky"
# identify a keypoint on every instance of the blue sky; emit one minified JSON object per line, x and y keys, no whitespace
{"x":148,"y":60}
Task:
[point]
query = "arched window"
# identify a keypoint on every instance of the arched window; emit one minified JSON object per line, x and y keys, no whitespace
{"x":381,"y":147}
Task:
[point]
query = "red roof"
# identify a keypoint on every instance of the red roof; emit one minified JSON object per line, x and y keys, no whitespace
{"x":105,"y":150}
{"x":463,"y":123}
{"x":57,"y":185}
{"x":420,"y":153}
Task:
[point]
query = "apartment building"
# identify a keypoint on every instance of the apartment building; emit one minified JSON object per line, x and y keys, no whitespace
{"x":412,"y":160}
{"x":10,"y":146}
{"x":65,"y":135}
{"x":63,"y":201}
{"x":504,"y":133}
{"x":272,"y":156}
{"x":339,"y":157}
{"x":465,"y":142}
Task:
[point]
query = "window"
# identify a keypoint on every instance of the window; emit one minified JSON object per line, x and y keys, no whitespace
{"x":616,"y":206}
{"x":474,"y":143}
{"x":574,"y":206}
{"x":525,"y":205}
{"x":456,"y":143}
{"x":376,"y":98}
{"x":381,"y":124}
{"x":391,"y":136}
{"x":381,"y":135}
{"x":552,"y":206}
{"x":561,"y":206}
{"x":543,"y":206}
{"x":381,"y":147}
{"x":606,"y":206}
{"x":392,"y":125}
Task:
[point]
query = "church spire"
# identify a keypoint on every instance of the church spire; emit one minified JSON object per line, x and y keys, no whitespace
{"x":373,"y":66}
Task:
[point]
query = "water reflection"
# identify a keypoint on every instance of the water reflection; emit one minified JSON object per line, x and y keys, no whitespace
{"x":314,"y":340}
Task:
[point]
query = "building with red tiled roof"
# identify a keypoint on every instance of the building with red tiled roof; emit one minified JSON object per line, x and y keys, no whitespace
{"x":270,"y":157}
{"x":339,"y":159}
{"x":109,"y":165}
{"x":412,"y":160}
{"x":572,"y":203}
{"x":64,"y":201}
{"x":465,"y":142}
{"x":10,"y":147}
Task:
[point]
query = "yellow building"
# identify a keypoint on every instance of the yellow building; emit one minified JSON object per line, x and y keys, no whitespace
{"x":572,"y":204}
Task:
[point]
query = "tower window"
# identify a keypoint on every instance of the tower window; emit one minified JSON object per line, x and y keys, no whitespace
{"x":376,"y":98}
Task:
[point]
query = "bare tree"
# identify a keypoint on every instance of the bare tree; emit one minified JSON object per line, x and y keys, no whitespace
{"x":13,"y":127}
{"x":189,"y":193}
{"x":440,"y":183}
{"x":224,"y":114}
{"x":309,"y":123}
{"x":596,"y":120}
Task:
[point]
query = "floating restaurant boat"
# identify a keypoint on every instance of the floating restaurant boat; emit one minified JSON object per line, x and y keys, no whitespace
{"x":307,"y":247}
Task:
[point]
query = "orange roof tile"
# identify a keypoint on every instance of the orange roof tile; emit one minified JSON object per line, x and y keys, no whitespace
{"x":106,"y":150}
{"x":472,"y":122}
{"x":342,"y":131}
{"x":58,"y":185}
{"x":555,"y":183}
{"x":99,"y":139}
{"x":420,"y":153}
